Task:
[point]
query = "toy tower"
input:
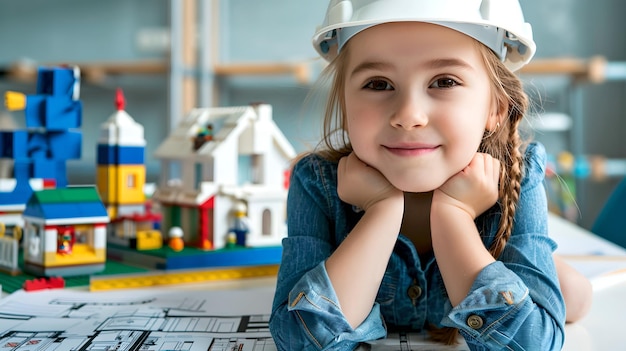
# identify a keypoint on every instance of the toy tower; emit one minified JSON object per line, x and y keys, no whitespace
{"x":51,"y":137}
{"x":121,"y":173}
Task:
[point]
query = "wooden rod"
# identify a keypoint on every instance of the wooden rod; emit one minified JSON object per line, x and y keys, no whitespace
{"x":592,"y":70}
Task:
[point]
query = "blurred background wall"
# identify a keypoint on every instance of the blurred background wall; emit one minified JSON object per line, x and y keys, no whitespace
{"x":35,"y":32}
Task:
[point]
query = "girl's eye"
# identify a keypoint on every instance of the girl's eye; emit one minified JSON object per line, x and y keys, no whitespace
{"x":444,"y":83}
{"x":378,"y":84}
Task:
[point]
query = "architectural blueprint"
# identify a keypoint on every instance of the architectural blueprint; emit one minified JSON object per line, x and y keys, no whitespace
{"x":151,"y":319}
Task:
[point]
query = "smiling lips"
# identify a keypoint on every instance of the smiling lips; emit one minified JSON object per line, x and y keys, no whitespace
{"x":411,"y":149}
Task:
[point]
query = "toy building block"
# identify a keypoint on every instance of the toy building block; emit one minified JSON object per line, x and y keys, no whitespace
{"x":9,"y":247}
{"x":51,"y":115}
{"x":190,"y":257}
{"x":44,"y":283}
{"x":154,"y":279}
{"x":68,"y":235}
{"x":121,"y":171}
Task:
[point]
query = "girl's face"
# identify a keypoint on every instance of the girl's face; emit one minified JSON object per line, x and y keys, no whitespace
{"x":418,"y":100}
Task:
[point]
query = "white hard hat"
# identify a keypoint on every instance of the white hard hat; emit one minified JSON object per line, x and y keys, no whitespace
{"x":498,"y":24}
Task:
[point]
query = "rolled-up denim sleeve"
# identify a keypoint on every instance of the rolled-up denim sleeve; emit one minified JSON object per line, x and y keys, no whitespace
{"x":306,"y":314}
{"x":500,"y":314}
{"x":515,"y":303}
{"x":313,"y":316}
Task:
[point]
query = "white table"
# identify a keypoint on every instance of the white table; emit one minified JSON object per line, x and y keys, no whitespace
{"x":605,"y":264}
{"x":602,"y":329}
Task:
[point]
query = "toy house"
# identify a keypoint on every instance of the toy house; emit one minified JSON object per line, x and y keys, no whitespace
{"x":215,"y":160}
{"x":65,"y":232}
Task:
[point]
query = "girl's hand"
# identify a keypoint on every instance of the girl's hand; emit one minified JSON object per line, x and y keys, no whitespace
{"x":361,"y":185}
{"x":474,"y":189}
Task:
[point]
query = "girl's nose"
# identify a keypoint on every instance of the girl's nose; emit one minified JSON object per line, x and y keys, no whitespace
{"x":410,"y":113}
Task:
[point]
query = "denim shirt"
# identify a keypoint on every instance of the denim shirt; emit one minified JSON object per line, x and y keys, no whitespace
{"x":515,"y":303}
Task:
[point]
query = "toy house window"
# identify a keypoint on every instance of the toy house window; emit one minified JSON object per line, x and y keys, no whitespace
{"x":83,"y":242}
{"x":174,"y":170}
{"x":34,"y":242}
{"x":81,"y":236}
{"x":203,"y":173}
{"x":131,"y":181}
{"x":244,"y":169}
{"x":266,"y":223}
{"x":250,"y":168}
{"x":198,"y":175}
{"x":257,"y":169}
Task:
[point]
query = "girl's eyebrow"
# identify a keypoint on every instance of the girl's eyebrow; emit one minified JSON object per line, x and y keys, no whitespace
{"x":370,"y":65}
{"x":448,"y":62}
{"x":431,"y":64}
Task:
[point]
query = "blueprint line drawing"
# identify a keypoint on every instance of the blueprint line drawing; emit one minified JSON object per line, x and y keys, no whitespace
{"x":164,"y":319}
{"x":66,"y":320}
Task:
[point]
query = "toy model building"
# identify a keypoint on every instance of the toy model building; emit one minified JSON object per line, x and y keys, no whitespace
{"x":121,"y":168}
{"x":217,"y":158}
{"x":121,"y":179}
{"x":65,"y":232}
{"x":40,"y":151}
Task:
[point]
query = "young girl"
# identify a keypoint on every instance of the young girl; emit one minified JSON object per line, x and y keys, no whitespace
{"x":425,"y":210}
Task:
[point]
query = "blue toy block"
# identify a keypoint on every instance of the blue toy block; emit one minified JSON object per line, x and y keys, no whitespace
{"x":22,"y":171}
{"x":22,"y":191}
{"x":131,"y":155}
{"x":38,"y":146}
{"x":59,"y":145}
{"x":63,"y":113}
{"x":252,"y":256}
{"x":57,"y":81}
{"x":34,"y":112}
{"x":44,"y":168}
{"x":52,"y":113}
{"x":163,"y":259}
{"x":18,"y":196}
{"x":66,"y":145}
{"x":120,"y":155}
{"x":13,"y":144}
{"x":105,"y":154}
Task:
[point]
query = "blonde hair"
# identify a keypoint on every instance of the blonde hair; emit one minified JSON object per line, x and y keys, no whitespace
{"x":503,"y":143}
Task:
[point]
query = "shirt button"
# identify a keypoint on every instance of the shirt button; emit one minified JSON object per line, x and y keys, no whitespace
{"x":414,"y":292}
{"x":475,"y":322}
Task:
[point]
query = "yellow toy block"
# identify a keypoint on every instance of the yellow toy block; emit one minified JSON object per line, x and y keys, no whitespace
{"x":149,"y":240}
{"x":122,"y":184}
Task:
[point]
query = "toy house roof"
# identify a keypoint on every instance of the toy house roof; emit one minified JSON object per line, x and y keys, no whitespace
{"x":229,"y":122}
{"x":74,"y":205}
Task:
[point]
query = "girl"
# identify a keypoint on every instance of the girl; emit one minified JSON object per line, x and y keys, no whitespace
{"x":424,"y":211}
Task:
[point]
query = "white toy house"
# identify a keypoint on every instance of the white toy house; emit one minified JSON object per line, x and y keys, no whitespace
{"x":217,"y":158}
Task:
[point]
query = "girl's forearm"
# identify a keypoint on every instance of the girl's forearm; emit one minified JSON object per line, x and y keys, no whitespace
{"x":357,"y":267}
{"x":459,"y":251}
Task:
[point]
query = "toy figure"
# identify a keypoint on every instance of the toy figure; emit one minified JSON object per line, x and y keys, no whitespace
{"x":65,"y":240}
{"x":240,"y":227}
{"x":176,"y":242}
{"x":204,"y":134}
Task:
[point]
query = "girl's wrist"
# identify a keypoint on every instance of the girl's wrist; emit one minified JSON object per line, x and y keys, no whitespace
{"x":450,"y":209}
{"x":391,"y":208}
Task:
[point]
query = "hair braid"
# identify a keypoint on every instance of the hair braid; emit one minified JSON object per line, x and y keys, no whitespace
{"x":510,"y":180}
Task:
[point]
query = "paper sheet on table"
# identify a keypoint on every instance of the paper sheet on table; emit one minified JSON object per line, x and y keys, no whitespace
{"x":153,"y":319}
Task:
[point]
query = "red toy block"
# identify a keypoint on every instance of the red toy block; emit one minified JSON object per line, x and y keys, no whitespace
{"x":44,"y":283}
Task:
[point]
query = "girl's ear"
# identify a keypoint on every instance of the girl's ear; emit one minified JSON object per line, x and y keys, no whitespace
{"x":496,"y":117}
